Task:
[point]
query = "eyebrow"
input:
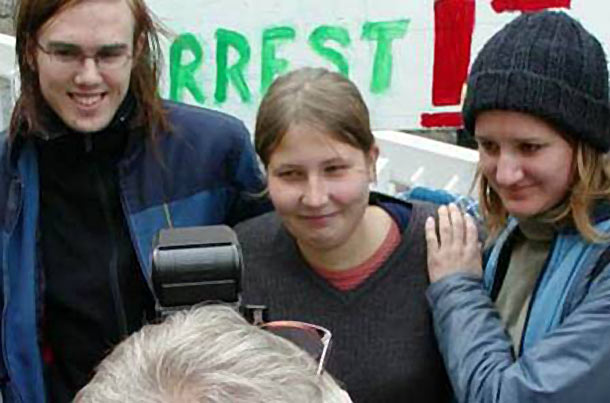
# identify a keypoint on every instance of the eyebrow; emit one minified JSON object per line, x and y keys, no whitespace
{"x":517,"y":140}
{"x":334,"y":160}
{"x":68,"y":45}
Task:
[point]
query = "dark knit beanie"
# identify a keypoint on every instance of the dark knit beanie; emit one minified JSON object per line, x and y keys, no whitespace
{"x":545,"y":64}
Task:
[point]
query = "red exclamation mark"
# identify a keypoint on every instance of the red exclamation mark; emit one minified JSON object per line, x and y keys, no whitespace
{"x":453,"y":28}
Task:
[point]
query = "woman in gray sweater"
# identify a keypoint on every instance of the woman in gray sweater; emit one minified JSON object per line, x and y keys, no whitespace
{"x":335,"y":254}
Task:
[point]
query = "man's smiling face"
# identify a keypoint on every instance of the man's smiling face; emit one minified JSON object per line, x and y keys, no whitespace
{"x":85,"y":96}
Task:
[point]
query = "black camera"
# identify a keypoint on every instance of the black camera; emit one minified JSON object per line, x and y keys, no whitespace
{"x":196,"y":264}
{"x":192,"y":265}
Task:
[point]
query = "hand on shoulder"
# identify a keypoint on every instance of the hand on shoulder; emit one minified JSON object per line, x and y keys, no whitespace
{"x":455,"y":248}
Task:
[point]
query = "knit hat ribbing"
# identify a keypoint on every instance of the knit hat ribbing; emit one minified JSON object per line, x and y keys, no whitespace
{"x":548,"y":65}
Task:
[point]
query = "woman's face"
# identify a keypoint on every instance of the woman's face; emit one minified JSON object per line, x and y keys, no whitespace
{"x":319,"y":186}
{"x":527,"y":162}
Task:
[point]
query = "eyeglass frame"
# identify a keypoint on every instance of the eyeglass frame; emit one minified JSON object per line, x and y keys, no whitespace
{"x":82,"y":56}
{"x":325,"y":338}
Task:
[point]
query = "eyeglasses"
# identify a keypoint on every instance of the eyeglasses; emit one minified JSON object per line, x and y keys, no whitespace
{"x":314,"y":339}
{"x":72,"y":57}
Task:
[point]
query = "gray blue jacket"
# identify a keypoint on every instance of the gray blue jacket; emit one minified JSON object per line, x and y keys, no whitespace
{"x":565,"y":355}
{"x":208,"y":175}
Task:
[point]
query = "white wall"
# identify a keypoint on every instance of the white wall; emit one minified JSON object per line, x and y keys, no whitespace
{"x":399,"y":106}
{"x":409,"y":94}
{"x":7,"y":78}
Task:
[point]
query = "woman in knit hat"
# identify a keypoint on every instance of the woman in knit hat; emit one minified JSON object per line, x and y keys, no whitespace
{"x":534,"y":325}
{"x":335,"y":254}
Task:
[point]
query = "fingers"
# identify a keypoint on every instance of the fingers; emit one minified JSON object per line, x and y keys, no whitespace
{"x":472,"y":236}
{"x":457,"y":224}
{"x":431,"y":238}
{"x":444,"y":226}
{"x":454,"y":229}
{"x":433,"y":248}
{"x":456,"y":247}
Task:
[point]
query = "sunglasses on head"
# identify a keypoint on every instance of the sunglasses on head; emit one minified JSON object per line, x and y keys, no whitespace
{"x":313,"y":339}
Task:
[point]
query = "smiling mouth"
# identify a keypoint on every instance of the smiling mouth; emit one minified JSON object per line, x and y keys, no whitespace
{"x":317,"y":216}
{"x":520,"y":193}
{"x":87,"y":100}
{"x":515,"y":189}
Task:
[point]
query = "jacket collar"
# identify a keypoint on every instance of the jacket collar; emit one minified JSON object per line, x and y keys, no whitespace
{"x":123,"y":120}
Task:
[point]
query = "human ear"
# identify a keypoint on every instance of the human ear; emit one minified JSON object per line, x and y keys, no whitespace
{"x":137,"y":47}
{"x":371,"y":158}
{"x":30,"y":56}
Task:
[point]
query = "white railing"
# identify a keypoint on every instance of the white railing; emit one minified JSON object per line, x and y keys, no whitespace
{"x":408,"y":160}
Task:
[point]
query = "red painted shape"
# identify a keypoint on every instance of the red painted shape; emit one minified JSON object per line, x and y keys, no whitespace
{"x":528,"y":5}
{"x":442,"y":119}
{"x":453,"y":28}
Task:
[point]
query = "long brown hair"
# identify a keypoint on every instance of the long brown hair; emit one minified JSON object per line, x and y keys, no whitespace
{"x":591,"y":185}
{"x":31,"y":15}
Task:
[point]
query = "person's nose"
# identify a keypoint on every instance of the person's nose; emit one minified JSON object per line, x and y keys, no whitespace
{"x":315,"y":194}
{"x":88,"y":73}
{"x":508,"y":170}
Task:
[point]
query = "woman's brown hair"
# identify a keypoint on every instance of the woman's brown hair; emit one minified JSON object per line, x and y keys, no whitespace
{"x":315,"y":97}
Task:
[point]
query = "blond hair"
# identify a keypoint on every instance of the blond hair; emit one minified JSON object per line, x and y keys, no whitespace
{"x":209,"y":354}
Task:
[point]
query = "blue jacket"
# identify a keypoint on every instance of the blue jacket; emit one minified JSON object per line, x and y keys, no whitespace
{"x":208,"y":175}
{"x":566,"y":342}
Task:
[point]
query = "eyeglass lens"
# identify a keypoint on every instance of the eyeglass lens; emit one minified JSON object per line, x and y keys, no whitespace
{"x":309,"y":339}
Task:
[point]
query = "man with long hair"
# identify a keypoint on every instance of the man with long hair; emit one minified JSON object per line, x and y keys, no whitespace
{"x":93,"y":165}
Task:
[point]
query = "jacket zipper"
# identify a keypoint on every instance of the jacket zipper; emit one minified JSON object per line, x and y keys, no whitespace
{"x":113,"y":266}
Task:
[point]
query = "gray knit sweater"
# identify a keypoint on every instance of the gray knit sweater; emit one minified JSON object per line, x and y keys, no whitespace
{"x":383,"y":344}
